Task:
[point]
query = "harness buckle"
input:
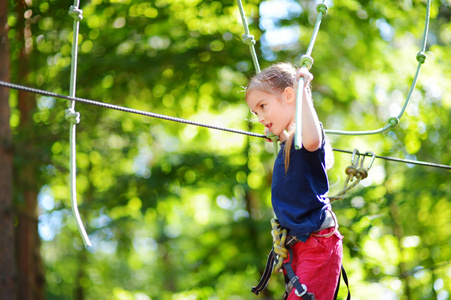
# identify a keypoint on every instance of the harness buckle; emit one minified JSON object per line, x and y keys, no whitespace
{"x":300,"y":294}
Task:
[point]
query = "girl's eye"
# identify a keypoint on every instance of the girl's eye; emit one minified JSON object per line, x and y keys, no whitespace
{"x":262,"y":106}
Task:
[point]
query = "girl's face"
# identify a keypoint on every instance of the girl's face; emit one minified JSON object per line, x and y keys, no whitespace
{"x":275,"y":111}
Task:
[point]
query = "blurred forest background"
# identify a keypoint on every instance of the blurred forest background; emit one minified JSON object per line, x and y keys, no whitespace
{"x":177,"y":211}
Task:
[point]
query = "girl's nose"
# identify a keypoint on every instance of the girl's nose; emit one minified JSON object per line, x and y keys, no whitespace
{"x":261,"y":119}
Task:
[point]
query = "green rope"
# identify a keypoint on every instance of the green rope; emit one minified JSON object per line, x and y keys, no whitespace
{"x":248,"y":39}
{"x":421,"y":58}
{"x":274,"y":138}
{"x":306,"y":61}
{"x":74,"y":118}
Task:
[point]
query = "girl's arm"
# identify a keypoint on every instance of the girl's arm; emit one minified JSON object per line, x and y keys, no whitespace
{"x":311,"y":128}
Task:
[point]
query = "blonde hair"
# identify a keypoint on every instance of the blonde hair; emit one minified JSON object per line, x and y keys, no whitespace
{"x":274,"y":80}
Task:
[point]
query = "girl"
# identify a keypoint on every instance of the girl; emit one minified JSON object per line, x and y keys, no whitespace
{"x":300,"y":184}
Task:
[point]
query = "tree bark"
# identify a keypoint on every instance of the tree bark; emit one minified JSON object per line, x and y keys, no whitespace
{"x":26,"y":170}
{"x":7,"y":261}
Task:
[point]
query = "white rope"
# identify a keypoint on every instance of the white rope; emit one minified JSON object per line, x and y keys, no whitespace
{"x":74,"y":118}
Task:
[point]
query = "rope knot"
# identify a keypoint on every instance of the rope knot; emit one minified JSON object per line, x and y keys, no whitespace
{"x":76,"y":13}
{"x":393,"y":121}
{"x":72,"y":116}
{"x":248,"y":39}
{"x":363,"y":173}
{"x":279,"y":236}
{"x":272,"y":136}
{"x":279,"y":247}
{"x":351,"y":170}
{"x":421,"y":57}
{"x":306,"y":60}
{"x":321,"y":7}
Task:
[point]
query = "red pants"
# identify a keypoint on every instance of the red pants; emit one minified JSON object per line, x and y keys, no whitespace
{"x":317,"y":263}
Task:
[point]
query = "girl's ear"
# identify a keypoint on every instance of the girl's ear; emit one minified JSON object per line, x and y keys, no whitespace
{"x":290,"y":94}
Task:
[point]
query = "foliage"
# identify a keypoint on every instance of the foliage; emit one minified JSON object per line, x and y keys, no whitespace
{"x":181,"y":212}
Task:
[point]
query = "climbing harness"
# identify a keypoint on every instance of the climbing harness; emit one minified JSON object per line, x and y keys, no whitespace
{"x":355,"y":172}
{"x":282,"y":249}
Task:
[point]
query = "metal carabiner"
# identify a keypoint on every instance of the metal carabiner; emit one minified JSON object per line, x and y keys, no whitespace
{"x":353,"y":161}
{"x":373,"y":156}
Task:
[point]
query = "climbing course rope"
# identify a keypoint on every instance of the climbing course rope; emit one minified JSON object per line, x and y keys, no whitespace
{"x":248,"y":39}
{"x":421,"y":58}
{"x":189,"y":122}
{"x":401,"y":160}
{"x":126,"y":109}
{"x":74,"y":118}
{"x":306,"y":61}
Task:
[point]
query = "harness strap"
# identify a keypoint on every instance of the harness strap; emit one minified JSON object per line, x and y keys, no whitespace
{"x":266,"y":274}
{"x":300,"y":289}
{"x":345,"y":279}
{"x":291,"y":240}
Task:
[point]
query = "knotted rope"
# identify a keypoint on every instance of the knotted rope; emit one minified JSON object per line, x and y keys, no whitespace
{"x":74,"y":118}
{"x":279,"y":235}
{"x":248,"y":38}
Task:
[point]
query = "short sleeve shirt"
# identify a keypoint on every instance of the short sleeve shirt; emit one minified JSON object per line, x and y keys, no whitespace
{"x":299,"y":196}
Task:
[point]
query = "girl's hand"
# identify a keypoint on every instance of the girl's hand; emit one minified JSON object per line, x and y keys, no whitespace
{"x":303,"y":72}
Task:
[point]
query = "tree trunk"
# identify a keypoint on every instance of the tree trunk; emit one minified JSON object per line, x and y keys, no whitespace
{"x":7,"y":261}
{"x":29,"y":264}
{"x":399,"y":234}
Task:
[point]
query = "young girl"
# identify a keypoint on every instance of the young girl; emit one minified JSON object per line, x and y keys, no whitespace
{"x":300,"y":184}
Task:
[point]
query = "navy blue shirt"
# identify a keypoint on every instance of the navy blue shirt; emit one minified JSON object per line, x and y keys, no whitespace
{"x":299,"y":196}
